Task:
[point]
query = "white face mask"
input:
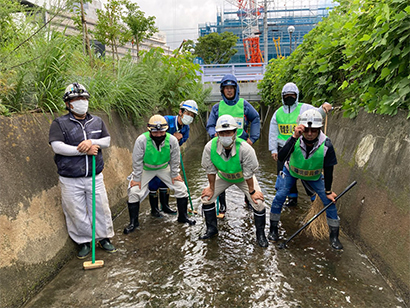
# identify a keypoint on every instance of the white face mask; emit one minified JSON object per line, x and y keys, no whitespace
{"x":80,"y":106}
{"x":187,"y":119}
{"x":226,"y":141}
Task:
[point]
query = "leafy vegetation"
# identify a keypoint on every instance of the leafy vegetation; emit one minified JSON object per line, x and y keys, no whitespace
{"x":358,"y":57}
{"x":216,"y":48}
{"x":37,"y":63}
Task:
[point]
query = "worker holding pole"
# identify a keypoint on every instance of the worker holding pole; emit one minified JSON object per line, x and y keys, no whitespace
{"x":156,"y":153}
{"x":178,"y":126}
{"x":306,"y":153}
{"x":75,"y":138}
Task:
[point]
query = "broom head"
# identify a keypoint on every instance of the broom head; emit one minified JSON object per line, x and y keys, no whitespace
{"x":318,"y":228}
{"x":90,"y":265}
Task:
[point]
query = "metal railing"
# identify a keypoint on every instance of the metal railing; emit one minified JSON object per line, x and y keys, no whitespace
{"x":242,"y":71}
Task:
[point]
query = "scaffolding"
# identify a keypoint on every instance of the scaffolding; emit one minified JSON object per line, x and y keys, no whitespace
{"x":303,"y":15}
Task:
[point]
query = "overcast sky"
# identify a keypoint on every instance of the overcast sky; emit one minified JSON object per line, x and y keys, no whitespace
{"x":179,"y":19}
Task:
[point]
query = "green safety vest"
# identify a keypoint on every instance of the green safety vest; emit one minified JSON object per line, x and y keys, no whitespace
{"x":306,"y":169}
{"x":154,"y":159}
{"x":237,"y":111}
{"x":231,"y":170}
{"x":287,"y":122}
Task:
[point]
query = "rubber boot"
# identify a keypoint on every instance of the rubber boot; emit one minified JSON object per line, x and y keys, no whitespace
{"x":292,"y":201}
{"x":273,"y":231}
{"x":164,"y":200}
{"x":222,"y":203}
{"x":260,"y":221}
{"x":210,"y":220}
{"x":334,"y":238}
{"x":133,"y":209}
{"x":182,"y":204}
{"x":153,"y":201}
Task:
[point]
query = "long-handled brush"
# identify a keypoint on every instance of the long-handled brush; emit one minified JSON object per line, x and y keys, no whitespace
{"x":93,"y":263}
{"x":191,"y":210}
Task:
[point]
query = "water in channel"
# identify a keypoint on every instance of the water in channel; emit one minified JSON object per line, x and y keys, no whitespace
{"x":163,"y":264}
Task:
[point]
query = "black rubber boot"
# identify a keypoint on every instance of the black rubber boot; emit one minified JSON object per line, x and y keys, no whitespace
{"x":153,"y":201}
{"x":164,"y":200}
{"x":273,"y":231}
{"x":133,"y":209}
{"x":222,"y":203}
{"x":292,"y":201}
{"x":334,"y":238}
{"x":182,"y":204}
{"x":84,"y":251}
{"x":260,"y":221}
{"x":211,"y":222}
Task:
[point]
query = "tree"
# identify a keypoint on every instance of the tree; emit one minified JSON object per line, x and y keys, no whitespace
{"x":141,"y":27}
{"x":216,"y":48}
{"x":109,"y":30}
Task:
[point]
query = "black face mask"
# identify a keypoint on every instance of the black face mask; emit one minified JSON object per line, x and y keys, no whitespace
{"x":289,"y":101}
{"x":158,"y":140}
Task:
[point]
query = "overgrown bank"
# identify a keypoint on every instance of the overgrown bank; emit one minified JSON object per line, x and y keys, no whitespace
{"x":359,"y":57}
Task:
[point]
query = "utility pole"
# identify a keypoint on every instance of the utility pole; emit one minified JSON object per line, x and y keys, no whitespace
{"x":265,"y":32}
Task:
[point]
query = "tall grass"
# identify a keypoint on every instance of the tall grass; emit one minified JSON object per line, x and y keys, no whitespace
{"x":44,"y":65}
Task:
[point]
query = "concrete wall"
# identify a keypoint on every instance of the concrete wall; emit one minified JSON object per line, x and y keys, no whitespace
{"x":374,"y":150}
{"x":34,"y":242}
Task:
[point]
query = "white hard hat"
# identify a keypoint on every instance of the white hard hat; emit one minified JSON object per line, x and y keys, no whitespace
{"x":311,"y":118}
{"x":75,"y":90}
{"x":190,"y":105}
{"x":225,"y":122}
{"x":157,"y":123}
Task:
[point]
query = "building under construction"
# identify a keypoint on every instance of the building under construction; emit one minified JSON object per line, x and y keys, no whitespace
{"x":284,"y":26}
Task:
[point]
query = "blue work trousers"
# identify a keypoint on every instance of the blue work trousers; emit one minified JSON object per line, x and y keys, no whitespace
{"x":285,"y":182}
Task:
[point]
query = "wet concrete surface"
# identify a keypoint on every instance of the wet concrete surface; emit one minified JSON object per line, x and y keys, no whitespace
{"x":163,"y":264}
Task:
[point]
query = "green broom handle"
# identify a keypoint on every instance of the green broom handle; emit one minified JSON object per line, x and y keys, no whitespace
{"x":93,"y":242}
{"x":186,"y":182}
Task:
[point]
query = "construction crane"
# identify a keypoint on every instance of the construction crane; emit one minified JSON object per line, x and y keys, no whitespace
{"x":248,"y":12}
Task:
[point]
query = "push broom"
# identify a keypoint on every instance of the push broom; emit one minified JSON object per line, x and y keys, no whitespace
{"x":93,"y":263}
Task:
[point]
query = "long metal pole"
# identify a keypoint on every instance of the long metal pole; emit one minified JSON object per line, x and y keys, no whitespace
{"x":290,"y":43}
{"x":265,"y":32}
{"x":283,"y":245}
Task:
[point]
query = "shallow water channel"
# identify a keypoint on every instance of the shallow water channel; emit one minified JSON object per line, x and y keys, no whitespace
{"x":163,"y":264}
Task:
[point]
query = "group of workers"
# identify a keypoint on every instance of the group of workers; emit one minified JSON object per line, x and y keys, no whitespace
{"x":296,"y":142}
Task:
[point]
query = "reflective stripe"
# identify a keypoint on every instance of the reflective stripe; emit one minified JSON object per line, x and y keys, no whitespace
{"x":155,"y":167}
